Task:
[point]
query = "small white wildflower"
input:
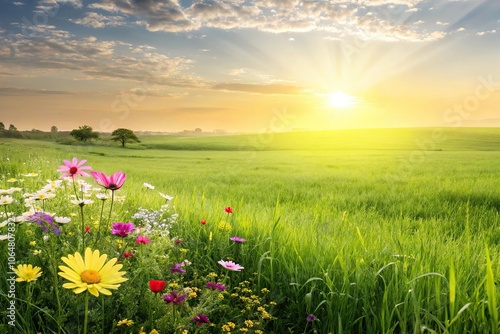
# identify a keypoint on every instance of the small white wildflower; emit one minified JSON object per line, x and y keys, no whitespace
{"x":4,"y":200}
{"x":167,"y":197}
{"x":62,"y":220}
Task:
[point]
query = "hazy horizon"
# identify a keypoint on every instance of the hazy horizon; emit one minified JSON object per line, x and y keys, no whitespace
{"x":249,"y":65}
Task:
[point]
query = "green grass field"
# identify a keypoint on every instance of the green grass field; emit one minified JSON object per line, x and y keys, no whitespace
{"x":372,"y":231}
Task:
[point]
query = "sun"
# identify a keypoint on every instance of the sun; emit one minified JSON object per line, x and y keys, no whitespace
{"x":341,"y":100}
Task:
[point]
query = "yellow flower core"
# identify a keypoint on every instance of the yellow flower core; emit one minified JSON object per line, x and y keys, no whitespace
{"x":90,"y":276}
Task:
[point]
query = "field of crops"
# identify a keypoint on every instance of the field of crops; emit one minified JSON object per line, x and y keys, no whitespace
{"x":356,"y":231}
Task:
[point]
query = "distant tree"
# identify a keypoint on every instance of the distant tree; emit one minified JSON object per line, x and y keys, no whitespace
{"x":54,"y":129}
{"x":84,"y":133}
{"x":198,"y":130}
{"x":12,"y":127}
{"x":2,"y":126}
{"x":124,"y":136}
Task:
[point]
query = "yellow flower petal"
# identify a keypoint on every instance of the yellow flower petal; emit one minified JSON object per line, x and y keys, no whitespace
{"x":109,"y":274}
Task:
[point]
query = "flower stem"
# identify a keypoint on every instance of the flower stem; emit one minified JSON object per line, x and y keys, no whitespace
{"x":100,"y":225}
{"x":74,"y":188}
{"x":111,"y":206}
{"x":86,"y":318}
{"x":56,"y":285}
{"x":83,"y":228}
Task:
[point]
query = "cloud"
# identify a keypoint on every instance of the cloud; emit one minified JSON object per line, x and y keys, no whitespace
{"x":259,"y":88}
{"x":482,"y":33}
{"x":339,"y":17}
{"x":96,"y":20}
{"x":11,"y":91}
{"x":46,"y":51}
{"x":165,"y":15}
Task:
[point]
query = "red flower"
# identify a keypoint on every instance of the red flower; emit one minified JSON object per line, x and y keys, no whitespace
{"x":156,"y":285}
{"x":87,"y":229}
{"x":178,"y":241}
{"x":127,"y":255}
{"x":203,"y":221}
{"x":228,"y":210}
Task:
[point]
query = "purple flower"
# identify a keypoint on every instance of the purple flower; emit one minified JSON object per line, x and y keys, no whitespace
{"x":176,"y":268}
{"x":311,"y":318}
{"x":237,"y":239}
{"x":122,"y":229}
{"x":215,"y":286}
{"x":201,"y":319}
{"x":174,"y":298}
{"x":46,"y":222}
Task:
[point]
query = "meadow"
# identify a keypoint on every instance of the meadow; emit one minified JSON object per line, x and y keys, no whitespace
{"x":353,"y":231}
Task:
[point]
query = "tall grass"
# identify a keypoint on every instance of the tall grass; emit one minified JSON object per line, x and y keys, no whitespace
{"x":330,"y":232}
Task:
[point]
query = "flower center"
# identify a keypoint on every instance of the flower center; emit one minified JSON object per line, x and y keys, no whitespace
{"x":112,"y":186}
{"x":90,"y":276}
{"x":29,"y":274}
{"x":73,"y":170}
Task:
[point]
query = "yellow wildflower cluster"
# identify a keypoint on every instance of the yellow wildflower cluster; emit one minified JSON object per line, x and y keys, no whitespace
{"x":125,"y":322}
{"x":228,"y":327}
{"x":223,"y":226}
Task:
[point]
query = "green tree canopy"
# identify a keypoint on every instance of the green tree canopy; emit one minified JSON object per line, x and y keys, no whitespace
{"x":84,"y":133}
{"x":124,"y":136}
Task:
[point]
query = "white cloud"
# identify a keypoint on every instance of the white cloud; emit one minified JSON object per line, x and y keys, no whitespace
{"x":341,"y":17}
{"x":47,"y":51}
{"x":96,"y":20}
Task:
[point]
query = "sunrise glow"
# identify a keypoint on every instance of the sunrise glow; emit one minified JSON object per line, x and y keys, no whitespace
{"x":181,"y":65}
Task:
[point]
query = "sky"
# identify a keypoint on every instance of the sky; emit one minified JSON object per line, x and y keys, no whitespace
{"x":249,"y":65}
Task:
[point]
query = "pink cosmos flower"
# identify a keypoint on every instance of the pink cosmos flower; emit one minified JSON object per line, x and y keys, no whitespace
{"x":174,"y":298}
{"x":73,"y":168}
{"x":228,"y":210}
{"x":122,"y":229}
{"x":113,"y":182}
{"x":142,"y":240}
{"x":237,"y":239}
{"x":230,"y":265}
{"x":200,"y":319}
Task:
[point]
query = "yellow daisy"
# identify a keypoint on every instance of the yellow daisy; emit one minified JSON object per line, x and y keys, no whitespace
{"x":27,"y":273}
{"x":92,"y":273}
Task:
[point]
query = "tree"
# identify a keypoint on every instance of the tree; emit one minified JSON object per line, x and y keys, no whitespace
{"x":2,"y":126}
{"x":84,"y":133}
{"x":124,"y":136}
{"x":12,"y":127}
{"x":54,"y":129}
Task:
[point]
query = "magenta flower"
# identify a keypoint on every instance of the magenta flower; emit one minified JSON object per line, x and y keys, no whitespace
{"x":73,"y":168}
{"x":174,"y":298}
{"x":311,"y":318}
{"x":122,"y":229}
{"x":142,"y":240}
{"x":237,"y":239}
{"x":230,"y":265}
{"x":113,"y":182}
{"x":215,"y":286}
{"x":201,"y":319}
{"x":177,"y":268}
